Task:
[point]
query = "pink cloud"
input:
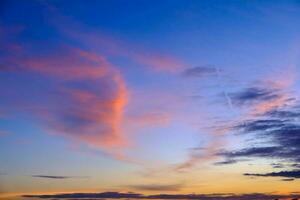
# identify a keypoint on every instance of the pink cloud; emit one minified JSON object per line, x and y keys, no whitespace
{"x":281,"y":83}
{"x":114,"y":47}
{"x":92,"y":117}
{"x":94,"y":113}
{"x":109,"y":45}
{"x":158,"y":62}
{"x":71,"y":63}
{"x":87,"y":100}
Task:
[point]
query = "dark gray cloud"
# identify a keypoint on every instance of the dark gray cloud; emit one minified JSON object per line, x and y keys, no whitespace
{"x":260,"y":125}
{"x":117,"y":195}
{"x":157,"y":187}
{"x":284,"y":136}
{"x":226,"y":162}
{"x":87,"y":195}
{"x":295,"y":165}
{"x":271,"y":151}
{"x":277,"y":165}
{"x":57,"y":177}
{"x":283,"y":139}
{"x":275,"y":134}
{"x":280,"y":127}
{"x":288,"y":179}
{"x":253,"y":95}
{"x":285,"y":114}
{"x":286,"y":174}
{"x":199,"y":71}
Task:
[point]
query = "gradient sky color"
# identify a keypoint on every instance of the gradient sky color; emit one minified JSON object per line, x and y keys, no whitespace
{"x":171,"y":96}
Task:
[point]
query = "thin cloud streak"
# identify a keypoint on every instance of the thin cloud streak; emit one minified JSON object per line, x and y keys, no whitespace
{"x":118,"y":195}
{"x":199,"y":72}
{"x":287,"y":174}
{"x":225,"y":93}
{"x":57,"y":177}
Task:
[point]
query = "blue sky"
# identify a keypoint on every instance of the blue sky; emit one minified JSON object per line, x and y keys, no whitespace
{"x":140,"y":95}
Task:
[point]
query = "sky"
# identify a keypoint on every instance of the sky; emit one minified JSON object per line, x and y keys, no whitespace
{"x":132,"y":99}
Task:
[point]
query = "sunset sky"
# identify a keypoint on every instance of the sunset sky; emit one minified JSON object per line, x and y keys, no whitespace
{"x":151,"y":97}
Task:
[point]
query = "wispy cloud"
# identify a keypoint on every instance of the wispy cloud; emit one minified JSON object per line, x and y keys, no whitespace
{"x":204,"y":154}
{"x":150,"y":118}
{"x":98,"y":41}
{"x":151,"y":59}
{"x":157,"y":187}
{"x":208,"y":152}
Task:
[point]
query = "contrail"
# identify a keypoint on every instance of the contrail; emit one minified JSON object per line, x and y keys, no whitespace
{"x":228,"y":99}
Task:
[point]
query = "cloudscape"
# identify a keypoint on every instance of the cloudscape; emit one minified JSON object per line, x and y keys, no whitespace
{"x":140,"y":99}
